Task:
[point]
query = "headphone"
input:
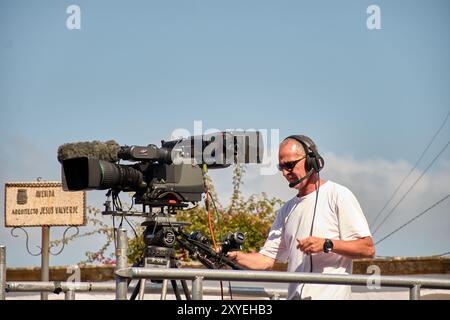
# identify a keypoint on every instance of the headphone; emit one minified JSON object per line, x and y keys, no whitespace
{"x":314,"y":161}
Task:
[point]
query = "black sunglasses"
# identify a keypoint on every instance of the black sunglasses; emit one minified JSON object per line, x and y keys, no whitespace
{"x":289,"y":166}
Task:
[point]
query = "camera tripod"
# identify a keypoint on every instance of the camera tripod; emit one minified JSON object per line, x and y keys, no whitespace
{"x":159,"y":239}
{"x":162,"y":232}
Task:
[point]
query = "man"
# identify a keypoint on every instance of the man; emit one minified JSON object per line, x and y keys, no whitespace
{"x":320,"y":230}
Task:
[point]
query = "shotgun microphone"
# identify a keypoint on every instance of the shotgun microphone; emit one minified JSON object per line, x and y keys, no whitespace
{"x":107,"y":151}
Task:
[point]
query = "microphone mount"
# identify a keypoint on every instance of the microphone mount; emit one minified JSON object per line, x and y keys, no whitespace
{"x":296,"y":182}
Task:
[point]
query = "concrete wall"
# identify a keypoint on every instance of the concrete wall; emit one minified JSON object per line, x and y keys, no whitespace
{"x":405,"y":265}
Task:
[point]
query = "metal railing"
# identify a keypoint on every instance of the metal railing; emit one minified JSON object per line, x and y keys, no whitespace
{"x":2,"y":272}
{"x":70,"y":288}
{"x":415,"y":284}
{"x":198,"y":276}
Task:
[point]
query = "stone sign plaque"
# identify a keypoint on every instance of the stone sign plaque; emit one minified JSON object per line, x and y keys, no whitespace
{"x":30,"y":204}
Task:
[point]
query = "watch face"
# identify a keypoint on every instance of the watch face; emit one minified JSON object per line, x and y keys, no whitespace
{"x":328,"y":246}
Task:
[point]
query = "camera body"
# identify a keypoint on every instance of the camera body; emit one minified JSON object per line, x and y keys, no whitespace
{"x":160,"y":176}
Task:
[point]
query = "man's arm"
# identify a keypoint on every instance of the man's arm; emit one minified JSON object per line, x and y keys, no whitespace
{"x":354,"y":249}
{"x":254,"y":260}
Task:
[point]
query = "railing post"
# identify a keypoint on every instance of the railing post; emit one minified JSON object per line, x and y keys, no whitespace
{"x":2,"y":272}
{"x":45,"y":254}
{"x":197,"y":288}
{"x":70,"y":295}
{"x":121,"y":263}
{"x":275,"y":296}
{"x":414,"y":292}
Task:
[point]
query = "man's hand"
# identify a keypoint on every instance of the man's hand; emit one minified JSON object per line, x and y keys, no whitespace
{"x":232,"y":255}
{"x":354,"y":249}
{"x":311,"y":245}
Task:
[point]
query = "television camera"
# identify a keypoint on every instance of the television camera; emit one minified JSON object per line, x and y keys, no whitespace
{"x":165,"y":179}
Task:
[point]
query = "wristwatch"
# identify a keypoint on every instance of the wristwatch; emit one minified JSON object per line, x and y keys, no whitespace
{"x":327,"y":246}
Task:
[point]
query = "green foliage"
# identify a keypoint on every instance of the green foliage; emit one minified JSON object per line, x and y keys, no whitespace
{"x":100,"y":227}
{"x":136,"y":246}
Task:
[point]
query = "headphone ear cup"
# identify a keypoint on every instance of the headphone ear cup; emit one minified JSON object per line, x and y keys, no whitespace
{"x":313,"y":159}
{"x":320,"y":163}
{"x":313,"y":162}
{"x":309,"y":162}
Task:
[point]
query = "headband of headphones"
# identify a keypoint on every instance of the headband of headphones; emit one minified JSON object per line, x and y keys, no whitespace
{"x":314,"y":160}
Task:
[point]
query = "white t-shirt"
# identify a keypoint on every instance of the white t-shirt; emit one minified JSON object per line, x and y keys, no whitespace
{"x":338,"y":216}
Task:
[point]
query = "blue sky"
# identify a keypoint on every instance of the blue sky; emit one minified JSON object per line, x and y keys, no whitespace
{"x":137,"y":70}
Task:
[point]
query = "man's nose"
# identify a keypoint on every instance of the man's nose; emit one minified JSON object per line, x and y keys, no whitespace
{"x":285,"y":172}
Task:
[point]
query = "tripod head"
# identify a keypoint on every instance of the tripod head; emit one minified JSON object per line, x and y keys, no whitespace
{"x":163,"y":231}
{"x":161,"y":234}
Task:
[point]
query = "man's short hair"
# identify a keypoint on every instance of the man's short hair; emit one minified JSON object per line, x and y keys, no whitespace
{"x":295,"y":142}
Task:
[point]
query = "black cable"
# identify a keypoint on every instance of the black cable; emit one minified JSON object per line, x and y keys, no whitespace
{"x":221,"y":290}
{"x":414,"y":167}
{"x":175,"y":289}
{"x":119,"y":207}
{"x":127,"y":221}
{"x":135,"y":292}
{"x":114,"y":233}
{"x":186,"y":290}
{"x":412,"y":186}
{"x":124,"y":215}
{"x":314,"y":216}
{"x":317,"y":187}
{"x":132,"y":205}
{"x":229,"y":289}
{"x":220,"y":226}
{"x":313,"y":219}
{"x":132,"y":228}
{"x":218,"y":217}
{"x":416,"y":217}
{"x":315,"y":204}
{"x":114,"y":200}
{"x":221,"y":237}
{"x":120,"y":203}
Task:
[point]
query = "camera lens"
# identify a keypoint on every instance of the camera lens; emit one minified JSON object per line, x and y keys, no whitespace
{"x":93,"y":174}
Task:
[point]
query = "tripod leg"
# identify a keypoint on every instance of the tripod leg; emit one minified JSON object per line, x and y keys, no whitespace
{"x":183,"y":283}
{"x":142,"y":289}
{"x":164,"y":289}
{"x":138,"y":263}
{"x":186,"y":289}
{"x":136,"y":291}
{"x":164,"y":285}
{"x":175,"y":289}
